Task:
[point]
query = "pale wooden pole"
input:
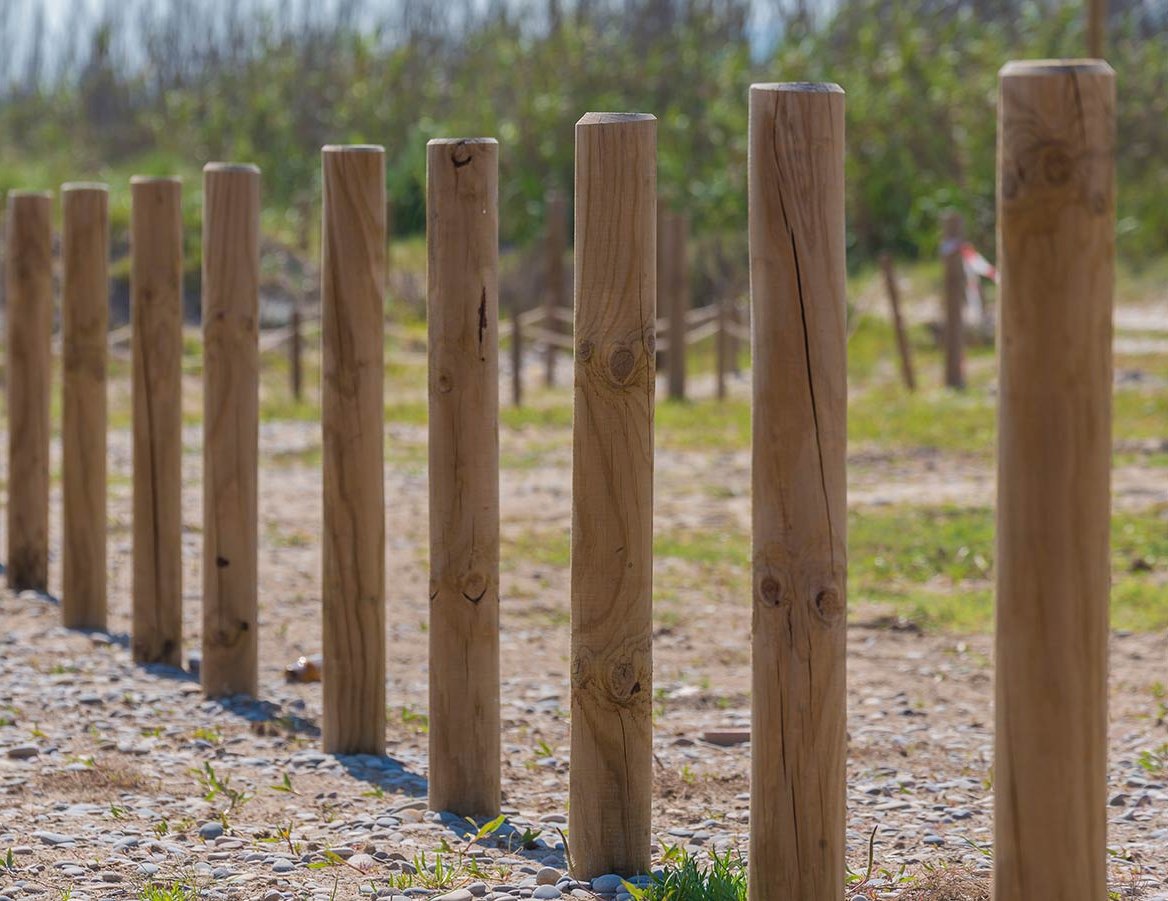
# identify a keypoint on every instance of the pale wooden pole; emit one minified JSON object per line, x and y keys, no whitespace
{"x":30,"y":324}
{"x":156,"y":269}
{"x":84,"y":324}
{"x":462,"y":244}
{"x":555,"y":244}
{"x":904,"y":349}
{"x":516,"y":359}
{"x":611,"y":783}
{"x":678,"y":304}
{"x":352,"y":295}
{"x":798,"y":296}
{"x":1056,"y":221}
{"x":231,"y":312}
{"x":1096,"y":28}
{"x":953,"y":325}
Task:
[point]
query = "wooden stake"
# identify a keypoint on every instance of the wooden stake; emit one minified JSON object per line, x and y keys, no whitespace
{"x":516,"y":359}
{"x":1056,"y":219}
{"x":904,"y":350}
{"x":30,"y":325}
{"x":1096,"y":28}
{"x":296,"y":353}
{"x":353,"y":419}
{"x":611,"y":782}
{"x":722,"y":347}
{"x":678,"y":300}
{"x":556,"y":243}
{"x":156,"y":312}
{"x":462,"y":242}
{"x":231,"y":312}
{"x":84,"y":323}
{"x":953,"y":326}
{"x":798,"y":295}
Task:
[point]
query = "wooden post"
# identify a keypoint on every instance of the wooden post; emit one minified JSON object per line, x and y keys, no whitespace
{"x":30,"y":324}
{"x":84,"y":324}
{"x":611,"y":781}
{"x":733,"y":345}
{"x":678,"y":300}
{"x":462,"y":243}
{"x":556,"y":243}
{"x":721,"y":347}
{"x":1056,"y":218}
{"x":296,"y":353}
{"x":1096,"y":28}
{"x":953,"y":326}
{"x":904,"y":350}
{"x":353,"y":419}
{"x":156,"y":243}
{"x":798,"y":296}
{"x":516,"y":359}
{"x":231,"y":312}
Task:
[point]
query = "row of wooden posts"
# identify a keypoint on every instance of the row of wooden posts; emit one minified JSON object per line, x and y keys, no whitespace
{"x":1056,"y":222}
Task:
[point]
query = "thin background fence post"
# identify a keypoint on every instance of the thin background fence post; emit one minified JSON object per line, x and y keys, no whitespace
{"x":231,"y":310}
{"x":30,"y":325}
{"x":798,"y":289}
{"x":678,"y":300}
{"x":84,"y":324}
{"x":1056,"y":221}
{"x":353,"y":274}
{"x":903,"y":348}
{"x":156,"y":245}
{"x":1096,"y":28}
{"x":556,"y":243}
{"x":516,"y":359}
{"x":953,"y":324}
{"x":721,"y":347}
{"x":611,"y":781}
{"x":296,"y":352}
{"x":462,"y":243}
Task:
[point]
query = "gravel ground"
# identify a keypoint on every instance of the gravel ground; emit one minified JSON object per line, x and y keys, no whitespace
{"x":114,"y":776}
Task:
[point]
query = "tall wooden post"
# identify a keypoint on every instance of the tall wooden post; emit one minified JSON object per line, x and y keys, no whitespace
{"x":353,"y":419}
{"x":904,"y":349}
{"x":1096,"y":28}
{"x":156,"y":245}
{"x":953,"y":325}
{"x":231,"y":366}
{"x":30,"y":324}
{"x":516,"y":359}
{"x":84,"y":323}
{"x":611,"y":780}
{"x":462,"y":243}
{"x":1056,"y":221}
{"x":798,"y":296}
{"x":678,"y":304}
{"x":556,"y":244}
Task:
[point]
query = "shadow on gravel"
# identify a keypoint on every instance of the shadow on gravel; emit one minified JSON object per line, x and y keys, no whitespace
{"x":384,"y":774}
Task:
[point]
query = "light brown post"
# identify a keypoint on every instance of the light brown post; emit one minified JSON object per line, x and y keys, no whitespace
{"x":353,"y":419}
{"x":678,"y":300}
{"x":296,"y":353}
{"x":231,"y":310}
{"x":904,"y":350}
{"x":611,"y":782}
{"x":1096,"y":28}
{"x":721,"y":347}
{"x":953,"y":325}
{"x":798,"y":294}
{"x":462,"y":244}
{"x":516,"y":359}
{"x":30,"y":325}
{"x":1056,"y":232}
{"x":556,"y":243}
{"x":84,"y":323}
{"x":156,"y":244}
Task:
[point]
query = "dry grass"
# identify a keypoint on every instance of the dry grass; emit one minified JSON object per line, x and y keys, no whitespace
{"x":103,"y":781}
{"x":948,"y":884}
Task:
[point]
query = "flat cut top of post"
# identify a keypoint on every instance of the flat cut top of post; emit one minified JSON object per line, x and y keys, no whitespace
{"x":799,"y":87}
{"x":615,"y":118}
{"x":30,"y":195}
{"x":352,"y":148}
{"x":440,"y":141}
{"x":155,"y":180}
{"x":250,"y":168}
{"x":1021,"y":68}
{"x":71,"y":186}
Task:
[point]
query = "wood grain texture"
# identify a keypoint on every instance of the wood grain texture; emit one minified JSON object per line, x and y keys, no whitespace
{"x":462,"y":244}
{"x":84,"y":324}
{"x":555,"y":244}
{"x":231,"y":309}
{"x":1056,"y":254}
{"x":29,"y":274}
{"x":156,"y":247}
{"x":903,"y":348}
{"x":798,"y":297}
{"x":611,"y":780}
{"x":953,"y":314}
{"x":353,"y":277}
